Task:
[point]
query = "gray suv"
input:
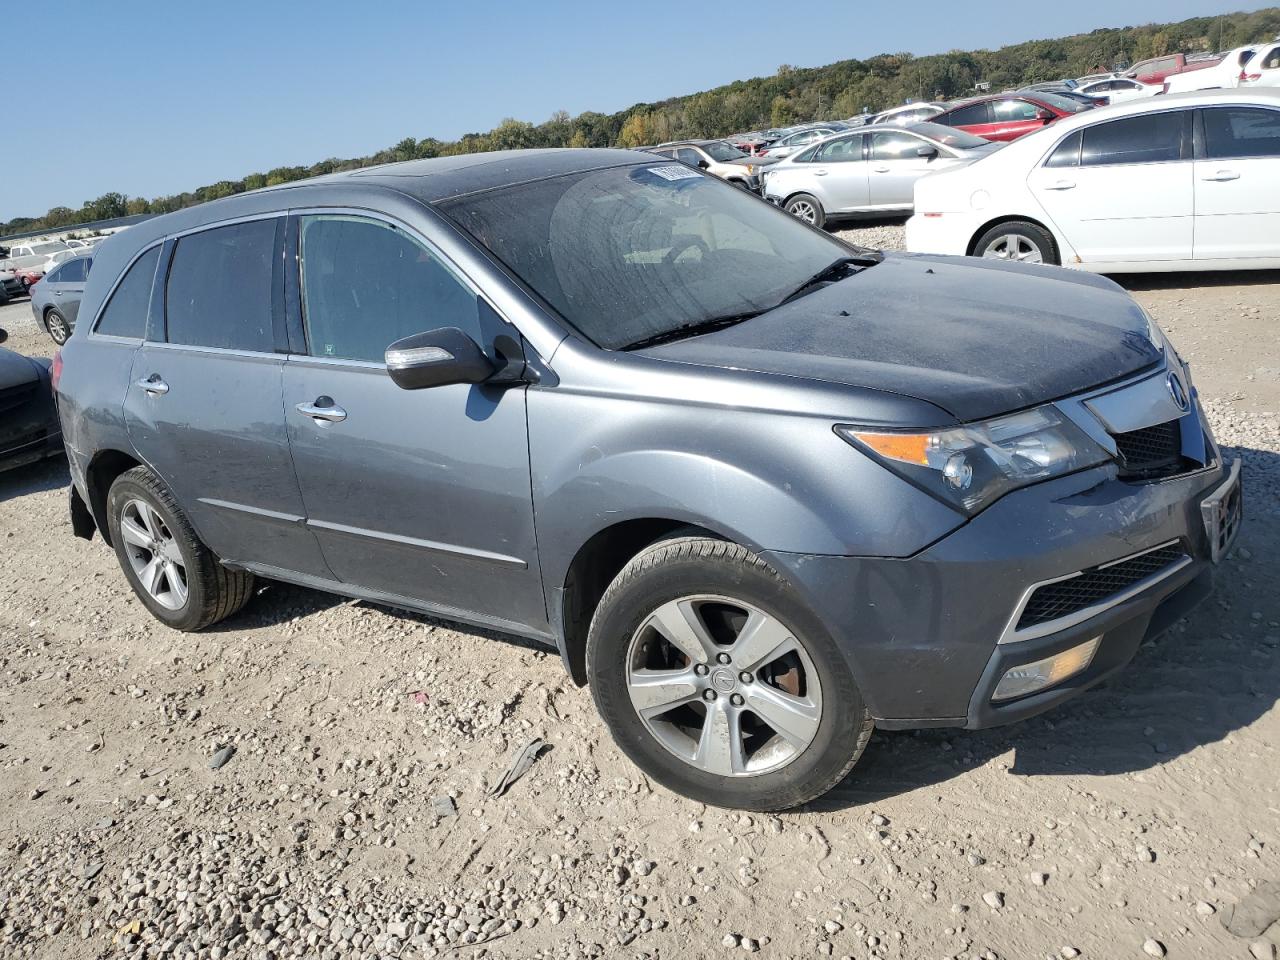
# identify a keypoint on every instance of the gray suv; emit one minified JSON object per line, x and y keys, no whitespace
{"x":762,"y":490}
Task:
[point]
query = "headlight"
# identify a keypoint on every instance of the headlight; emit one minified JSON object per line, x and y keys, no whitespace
{"x":973,"y":465}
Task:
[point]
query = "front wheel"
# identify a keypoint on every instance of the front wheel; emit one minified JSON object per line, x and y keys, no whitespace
{"x":1019,"y":242}
{"x":56,"y":324}
{"x":175,"y":575}
{"x":807,"y":208}
{"x":718,"y":683}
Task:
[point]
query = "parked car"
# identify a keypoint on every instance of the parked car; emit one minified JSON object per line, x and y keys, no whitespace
{"x":1118,"y":90}
{"x":28,"y":276}
{"x":868,"y":171}
{"x":1130,"y":188}
{"x":55,"y":301}
{"x":1264,"y":69}
{"x":1224,"y":75}
{"x":906,"y":114}
{"x":29,"y":428}
{"x":796,"y":141}
{"x":718,"y":158}
{"x":1008,"y":116}
{"x":1079,"y":97}
{"x":763,"y":490}
{"x":43,"y":249}
{"x":31,"y":261}
{"x":1158,"y":69}
{"x":11,"y":286}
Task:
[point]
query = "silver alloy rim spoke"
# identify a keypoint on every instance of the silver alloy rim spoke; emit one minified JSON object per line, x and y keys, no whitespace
{"x":154,"y":554}
{"x":1013,"y":247}
{"x":723,"y":710}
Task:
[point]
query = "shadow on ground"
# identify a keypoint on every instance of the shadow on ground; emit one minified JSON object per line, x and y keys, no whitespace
{"x":1204,"y":278}
{"x":34,"y":478}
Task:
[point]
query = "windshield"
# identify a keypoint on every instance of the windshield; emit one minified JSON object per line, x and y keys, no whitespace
{"x":47,"y":248}
{"x":630,"y":253}
{"x":723,"y":152}
{"x":949,"y":136}
{"x":1066,"y":104}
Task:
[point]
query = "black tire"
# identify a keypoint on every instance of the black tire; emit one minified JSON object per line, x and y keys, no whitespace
{"x":1034,"y":234}
{"x":742,"y":185}
{"x":57,"y":327}
{"x":685,"y":566}
{"x":800,"y":205}
{"x":214,"y":592}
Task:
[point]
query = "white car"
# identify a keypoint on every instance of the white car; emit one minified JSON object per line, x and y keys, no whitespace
{"x":1182,"y":182}
{"x":869,"y":170}
{"x":908,"y":113}
{"x":1262,"y":70}
{"x":1119,"y":89}
{"x":1230,"y":72}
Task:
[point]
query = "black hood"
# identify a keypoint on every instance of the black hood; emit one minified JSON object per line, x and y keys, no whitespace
{"x":975,"y":337}
{"x":15,"y":369}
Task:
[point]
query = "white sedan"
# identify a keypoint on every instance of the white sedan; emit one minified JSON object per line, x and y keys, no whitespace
{"x":1181,"y":182}
{"x":1120,"y":89}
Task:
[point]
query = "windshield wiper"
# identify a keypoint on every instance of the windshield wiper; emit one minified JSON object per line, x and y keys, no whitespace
{"x":693,"y":329}
{"x":831,"y":271}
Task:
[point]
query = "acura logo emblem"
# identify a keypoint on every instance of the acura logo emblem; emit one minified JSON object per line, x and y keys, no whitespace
{"x":1178,"y":392}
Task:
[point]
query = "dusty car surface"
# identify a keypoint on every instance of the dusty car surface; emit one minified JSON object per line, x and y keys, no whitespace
{"x":762,"y":490}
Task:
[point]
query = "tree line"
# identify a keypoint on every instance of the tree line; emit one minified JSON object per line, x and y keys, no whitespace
{"x":790,"y":95}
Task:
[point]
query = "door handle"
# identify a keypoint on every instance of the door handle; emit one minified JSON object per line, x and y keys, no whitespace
{"x":1061,"y":185}
{"x":1222,"y":176}
{"x":153,"y":385}
{"x":323,"y":411}
{"x":57,"y":293}
{"x":819,"y":173}
{"x":880,"y":169}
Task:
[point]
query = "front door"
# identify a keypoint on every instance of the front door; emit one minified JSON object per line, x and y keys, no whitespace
{"x":68,"y":286}
{"x":841,"y":173}
{"x":418,"y":494}
{"x":1123,"y":192}
{"x":1237,"y":183}
{"x":203,"y":404}
{"x":896,"y":165}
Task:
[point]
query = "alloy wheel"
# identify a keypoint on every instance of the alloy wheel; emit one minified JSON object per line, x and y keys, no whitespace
{"x":58,"y":329}
{"x":804,"y":210}
{"x":154,"y":554}
{"x":1013,"y":246}
{"x":724,"y":686}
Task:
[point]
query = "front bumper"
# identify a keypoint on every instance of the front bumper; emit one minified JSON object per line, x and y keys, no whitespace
{"x":921,"y":634}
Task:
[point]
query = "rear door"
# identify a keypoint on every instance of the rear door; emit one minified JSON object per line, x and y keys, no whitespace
{"x":895,"y":166}
{"x":420,"y":494}
{"x":1123,"y":191}
{"x":1237,"y":184}
{"x":203,"y":406}
{"x":1011,"y":119}
{"x":840,"y":174}
{"x":972,"y":118}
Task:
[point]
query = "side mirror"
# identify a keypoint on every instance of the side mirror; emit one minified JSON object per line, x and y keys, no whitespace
{"x":437,"y":358}
{"x":929,"y":153}
{"x":1045,"y":115}
{"x":703,"y":165}
{"x":4,"y":335}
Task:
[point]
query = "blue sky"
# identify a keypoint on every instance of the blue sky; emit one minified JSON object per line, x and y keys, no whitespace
{"x":151,"y":98}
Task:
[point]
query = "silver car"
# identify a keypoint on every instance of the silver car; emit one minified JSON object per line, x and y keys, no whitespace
{"x":55,"y":300}
{"x":869,"y":171}
{"x":794,"y":142}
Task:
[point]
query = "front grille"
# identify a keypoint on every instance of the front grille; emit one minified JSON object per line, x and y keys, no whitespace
{"x":1061,"y":599}
{"x":1151,"y":452}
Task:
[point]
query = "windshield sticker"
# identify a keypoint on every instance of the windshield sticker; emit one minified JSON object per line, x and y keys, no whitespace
{"x":676,"y":171}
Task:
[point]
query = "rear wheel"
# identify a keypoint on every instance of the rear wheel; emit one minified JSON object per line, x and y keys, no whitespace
{"x":718,"y":683}
{"x":175,"y":575}
{"x":808,"y":208}
{"x":1019,"y":242}
{"x":56,"y":324}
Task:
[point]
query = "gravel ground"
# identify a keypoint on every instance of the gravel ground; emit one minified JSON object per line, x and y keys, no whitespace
{"x":353,"y":817}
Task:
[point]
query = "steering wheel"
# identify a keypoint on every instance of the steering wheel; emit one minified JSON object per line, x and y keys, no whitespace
{"x":687,"y":244}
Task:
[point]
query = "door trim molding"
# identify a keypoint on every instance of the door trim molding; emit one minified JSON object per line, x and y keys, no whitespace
{"x":432,"y":545}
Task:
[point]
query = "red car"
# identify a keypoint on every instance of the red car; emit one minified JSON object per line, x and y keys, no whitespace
{"x":1008,"y":116}
{"x":29,"y":276}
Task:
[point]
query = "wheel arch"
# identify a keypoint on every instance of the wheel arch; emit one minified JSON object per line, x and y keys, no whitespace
{"x":103,"y":469}
{"x":595,"y":565}
{"x":1015,"y":218}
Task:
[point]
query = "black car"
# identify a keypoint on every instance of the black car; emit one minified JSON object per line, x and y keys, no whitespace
{"x":10,"y":287}
{"x":29,"y":429}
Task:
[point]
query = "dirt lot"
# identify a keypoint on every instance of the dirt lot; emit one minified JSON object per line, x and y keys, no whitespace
{"x":1126,"y":824}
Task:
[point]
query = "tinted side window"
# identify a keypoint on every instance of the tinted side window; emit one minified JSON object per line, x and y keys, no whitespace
{"x":126,"y":311}
{"x":1272,"y":59}
{"x":967,"y":116}
{"x":1007,"y":110}
{"x":55,"y":275}
{"x":1067,"y":154}
{"x":366,"y":284}
{"x":220,"y":288}
{"x":688,"y":155}
{"x":1235,"y":132}
{"x":73,"y":271}
{"x":895,"y":146}
{"x":1147,"y":138}
{"x":843,"y":150}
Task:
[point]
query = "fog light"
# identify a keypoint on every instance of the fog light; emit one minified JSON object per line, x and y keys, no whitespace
{"x":1031,"y":677}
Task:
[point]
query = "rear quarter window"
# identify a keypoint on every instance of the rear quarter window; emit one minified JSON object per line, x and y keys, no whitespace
{"x":125,"y":314}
